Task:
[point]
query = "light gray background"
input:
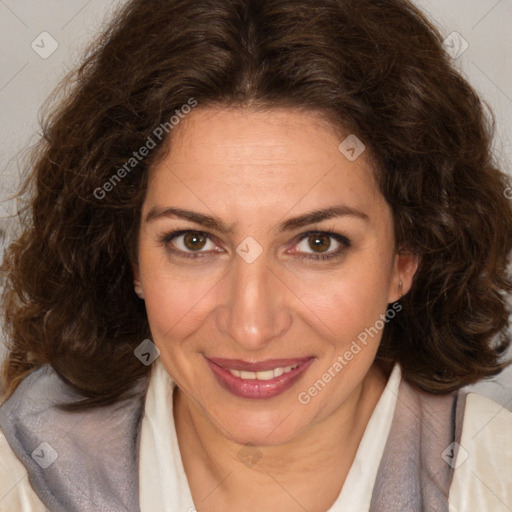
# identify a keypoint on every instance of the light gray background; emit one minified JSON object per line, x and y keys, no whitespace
{"x":26,"y":79}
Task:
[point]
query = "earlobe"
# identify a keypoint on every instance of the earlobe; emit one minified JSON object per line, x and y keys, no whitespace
{"x":406,"y":265}
{"x":137,"y":284}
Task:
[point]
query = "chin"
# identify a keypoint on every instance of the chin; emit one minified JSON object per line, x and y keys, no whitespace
{"x":262,"y":426}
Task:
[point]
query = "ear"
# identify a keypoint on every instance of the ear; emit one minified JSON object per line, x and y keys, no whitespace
{"x":137,"y":284}
{"x":405,"y":267}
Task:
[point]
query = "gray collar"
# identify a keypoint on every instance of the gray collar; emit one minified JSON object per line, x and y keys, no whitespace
{"x":88,"y":461}
{"x":96,"y":468}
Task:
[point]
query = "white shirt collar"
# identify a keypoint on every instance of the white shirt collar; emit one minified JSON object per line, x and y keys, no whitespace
{"x":163,"y":482}
{"x":357,"y":490}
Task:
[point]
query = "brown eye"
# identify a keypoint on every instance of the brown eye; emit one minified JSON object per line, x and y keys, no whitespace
{"x":188,"y":242}
{"x":321,"y":245}
{"x":319,"y":242}
{"x":194,"y":241}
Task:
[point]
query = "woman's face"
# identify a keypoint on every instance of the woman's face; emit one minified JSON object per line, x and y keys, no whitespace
{"x":263,"y":247}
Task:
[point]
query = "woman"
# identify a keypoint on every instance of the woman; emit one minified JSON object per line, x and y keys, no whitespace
{"x":266,"y":245}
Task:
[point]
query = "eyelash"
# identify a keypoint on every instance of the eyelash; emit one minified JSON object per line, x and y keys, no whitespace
{"x":344,"y":241}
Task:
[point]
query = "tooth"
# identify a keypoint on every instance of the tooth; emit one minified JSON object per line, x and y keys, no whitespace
{"x":265,"y":375}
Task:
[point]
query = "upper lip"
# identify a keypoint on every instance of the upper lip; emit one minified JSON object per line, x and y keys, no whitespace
{"x":268,"y":364}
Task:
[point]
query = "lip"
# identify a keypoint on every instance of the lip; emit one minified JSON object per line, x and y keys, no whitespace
{"x":253,"y":388}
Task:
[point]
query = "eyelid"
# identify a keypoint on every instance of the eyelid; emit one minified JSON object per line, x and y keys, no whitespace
{"x":337,"y":236}
{"x":344,"y":242}
{"x":167,"y":238}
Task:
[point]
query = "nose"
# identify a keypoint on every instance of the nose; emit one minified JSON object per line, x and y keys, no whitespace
{"x":256,"y":309}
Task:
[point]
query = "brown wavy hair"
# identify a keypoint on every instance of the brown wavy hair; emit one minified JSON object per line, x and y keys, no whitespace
{"x":375,"y":68}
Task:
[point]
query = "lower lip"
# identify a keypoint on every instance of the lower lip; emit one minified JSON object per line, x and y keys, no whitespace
{"x":258,"y":389}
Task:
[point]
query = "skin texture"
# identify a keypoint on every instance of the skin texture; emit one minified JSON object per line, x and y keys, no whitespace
{"x":254,"y":170}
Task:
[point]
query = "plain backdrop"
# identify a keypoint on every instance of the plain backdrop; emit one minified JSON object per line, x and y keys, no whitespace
{"x":41,"y":40}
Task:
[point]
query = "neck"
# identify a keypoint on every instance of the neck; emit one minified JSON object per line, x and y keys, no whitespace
{"x":319,"y":458}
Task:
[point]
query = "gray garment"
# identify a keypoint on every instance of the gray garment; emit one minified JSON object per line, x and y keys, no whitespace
{"x":413,"y":476}
{"x":96,"y":468}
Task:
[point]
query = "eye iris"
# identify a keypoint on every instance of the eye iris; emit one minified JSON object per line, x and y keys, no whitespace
{"x":194,"y":241}
{"x":319,"y":243}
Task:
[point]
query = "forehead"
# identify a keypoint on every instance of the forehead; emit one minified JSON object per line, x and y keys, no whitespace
{"x":260,"y":157}
{"x":241,"y":132}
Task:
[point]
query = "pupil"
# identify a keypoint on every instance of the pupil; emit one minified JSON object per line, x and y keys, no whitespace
{"x":319,"y":243}
{"x":194,"y":241}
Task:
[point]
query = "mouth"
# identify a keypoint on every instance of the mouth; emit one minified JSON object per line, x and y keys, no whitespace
{"x":259,"y":380}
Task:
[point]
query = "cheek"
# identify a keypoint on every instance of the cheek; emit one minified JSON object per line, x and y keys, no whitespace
{"x":175,"y":299}
{"x":174,"y":306}
{"x":344,"y":303}
{"x":176,"y":310}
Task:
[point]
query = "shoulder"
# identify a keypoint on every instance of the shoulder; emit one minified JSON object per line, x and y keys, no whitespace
{"x":16,"y":494}
{"x":483,"y":466}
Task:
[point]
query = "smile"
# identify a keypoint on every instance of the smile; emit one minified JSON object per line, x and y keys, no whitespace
{"x":264,"y":375}
{"x":261,"y":380}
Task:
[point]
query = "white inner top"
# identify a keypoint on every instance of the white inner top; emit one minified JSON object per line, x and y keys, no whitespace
{"x":163,"y":483}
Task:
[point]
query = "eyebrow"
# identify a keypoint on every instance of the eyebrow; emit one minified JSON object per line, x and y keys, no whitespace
{"x":216,"y":224}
